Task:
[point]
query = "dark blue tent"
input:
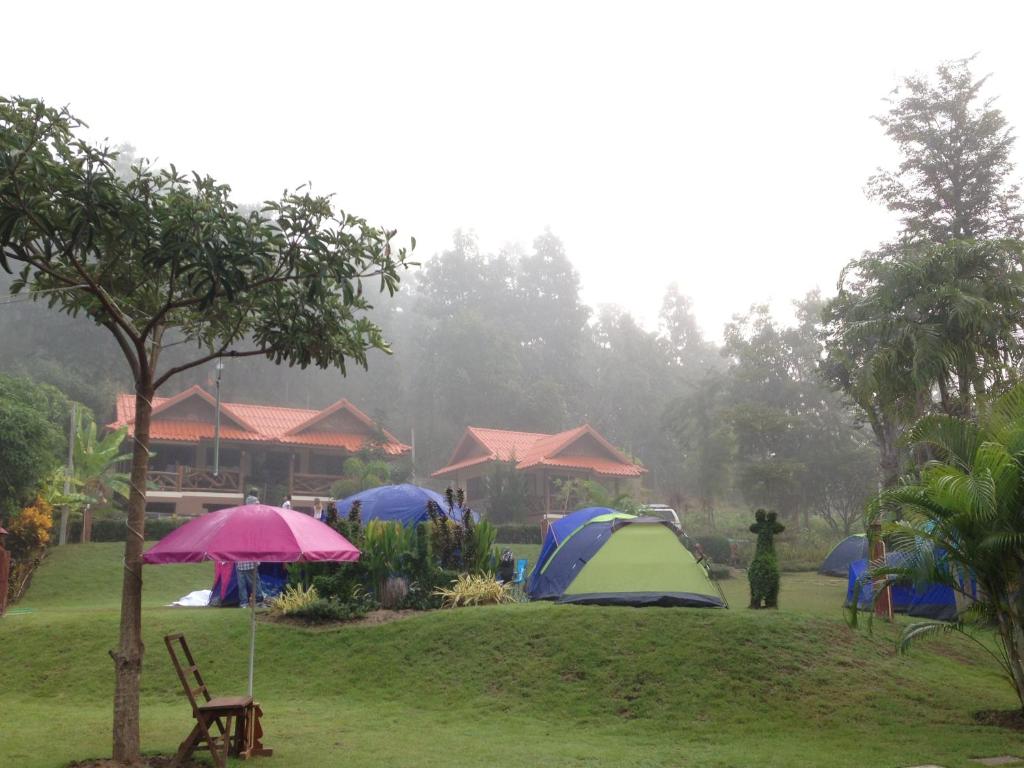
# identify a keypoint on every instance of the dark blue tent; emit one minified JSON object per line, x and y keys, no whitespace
{"x":550,"y":582}
{"x":405,"y":504}
{"x":224,"y":591}
{"x":930,"y":601}
{"x":837,"y":562}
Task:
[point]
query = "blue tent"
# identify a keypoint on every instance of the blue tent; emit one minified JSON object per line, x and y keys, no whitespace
{"x":548,"y":583}
{"x":902,"y":592}
{"x":837,"y":562}
{"x":405,"y":504}
{"x":224,"y":591}
{"x":930,"y":601}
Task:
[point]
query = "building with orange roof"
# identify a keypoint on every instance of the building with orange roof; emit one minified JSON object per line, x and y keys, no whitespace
{"x":298,"y":450}
{"x":544,"y":461}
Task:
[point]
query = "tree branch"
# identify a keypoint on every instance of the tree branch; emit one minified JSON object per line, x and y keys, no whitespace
{"x":205,"y":359}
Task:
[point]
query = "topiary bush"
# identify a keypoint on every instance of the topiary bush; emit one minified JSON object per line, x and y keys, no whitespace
{"x":763,"y":572}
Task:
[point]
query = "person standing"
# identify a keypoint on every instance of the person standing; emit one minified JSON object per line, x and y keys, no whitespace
{"x":287,"y":503}
{"x":247,"y":573}
{"x":318,"y":510}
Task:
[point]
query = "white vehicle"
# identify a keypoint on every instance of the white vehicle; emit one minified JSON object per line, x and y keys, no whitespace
{"x":663,"y":511}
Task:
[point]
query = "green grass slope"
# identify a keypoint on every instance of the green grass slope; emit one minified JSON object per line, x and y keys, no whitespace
{"x":521,"y":685}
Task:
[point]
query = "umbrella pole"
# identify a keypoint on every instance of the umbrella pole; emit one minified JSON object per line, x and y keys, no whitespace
{"x":252,"y":627}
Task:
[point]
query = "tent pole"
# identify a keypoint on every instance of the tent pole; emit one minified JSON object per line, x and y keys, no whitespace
{"x":252,"y":627}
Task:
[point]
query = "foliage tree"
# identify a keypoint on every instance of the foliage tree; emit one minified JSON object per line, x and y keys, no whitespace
{"x":33,"y":418}
{"x":705,"y":440}
{"x":960,"y":520}
{"x":160,"y":259}
{"x":953,"y":181}
{"x":507,"y":497}
{"x":939,"y":320}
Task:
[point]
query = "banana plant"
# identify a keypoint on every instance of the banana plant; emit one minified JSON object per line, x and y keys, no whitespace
{"x":96,"y":477}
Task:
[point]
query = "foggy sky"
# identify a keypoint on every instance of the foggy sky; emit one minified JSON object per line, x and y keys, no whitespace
{"x":724,"y":147}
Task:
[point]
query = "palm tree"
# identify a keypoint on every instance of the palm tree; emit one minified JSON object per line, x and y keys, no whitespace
{"x":962,"y":521}
{"x":918,"y":321}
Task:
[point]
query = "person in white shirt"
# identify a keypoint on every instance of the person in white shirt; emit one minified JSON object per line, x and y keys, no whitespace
{"x":318,"y":510}
{"x":287,"y":504}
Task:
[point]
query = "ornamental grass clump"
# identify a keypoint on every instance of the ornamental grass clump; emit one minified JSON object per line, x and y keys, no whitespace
{"x":294,"y":598}
{"x":471,"y":589}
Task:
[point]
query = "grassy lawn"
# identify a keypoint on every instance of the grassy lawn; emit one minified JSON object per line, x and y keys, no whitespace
{"x":520,"y":685}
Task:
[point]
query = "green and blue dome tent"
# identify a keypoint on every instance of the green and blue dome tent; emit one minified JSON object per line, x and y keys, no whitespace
{"x":626,"y":560}
{"x":849,"y":550}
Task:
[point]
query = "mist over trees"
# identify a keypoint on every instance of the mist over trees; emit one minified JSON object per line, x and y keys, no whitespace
{"x":807,"y":418}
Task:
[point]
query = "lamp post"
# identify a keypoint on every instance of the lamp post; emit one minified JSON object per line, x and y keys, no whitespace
{"x":216,"y":423}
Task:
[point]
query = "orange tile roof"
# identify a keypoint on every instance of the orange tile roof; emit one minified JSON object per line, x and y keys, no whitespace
{"x":253,"y":423}
{"x":532,"y":449}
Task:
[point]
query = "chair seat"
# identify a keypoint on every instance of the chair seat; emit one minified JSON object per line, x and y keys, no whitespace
{"x":226,"y":702}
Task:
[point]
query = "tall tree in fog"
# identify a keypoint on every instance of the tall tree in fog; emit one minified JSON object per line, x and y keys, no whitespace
{"x":161,"y":256}
{"x":954,"y":180}
{"x":553,"y":320}
{"x":931,"y":321}
{"x":629,"y":384}
{"x":687,"y":348}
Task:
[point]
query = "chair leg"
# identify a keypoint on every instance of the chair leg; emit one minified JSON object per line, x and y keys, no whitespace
{"x":203,"y":726}
{"x":187,"y":747}
{"x":226,"y":740}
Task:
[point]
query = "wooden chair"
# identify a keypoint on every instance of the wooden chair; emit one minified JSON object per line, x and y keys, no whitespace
{"x":215,"y":716}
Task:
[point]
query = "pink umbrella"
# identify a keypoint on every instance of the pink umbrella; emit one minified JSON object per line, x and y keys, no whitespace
{"x":254,"y":532}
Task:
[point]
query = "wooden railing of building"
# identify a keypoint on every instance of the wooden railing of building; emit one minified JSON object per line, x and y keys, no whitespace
{"x":232,"y":481}
{"x":312,"y":485}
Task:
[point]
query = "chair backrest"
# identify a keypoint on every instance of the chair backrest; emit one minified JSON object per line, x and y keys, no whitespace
{"x":184,"y":670}
{"x":520,"y":570}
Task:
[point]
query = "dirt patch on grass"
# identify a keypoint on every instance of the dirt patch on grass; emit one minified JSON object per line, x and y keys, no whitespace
{"x":155,"y":761}
{"x":1001,"y":718}
{"x":383,"y":616}
{"x":373,"y":618}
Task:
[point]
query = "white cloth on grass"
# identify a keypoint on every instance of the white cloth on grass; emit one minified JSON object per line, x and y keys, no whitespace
{"x":199,"y":598}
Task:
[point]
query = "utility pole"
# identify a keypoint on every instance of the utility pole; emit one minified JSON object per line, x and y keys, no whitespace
{"x":216,"y":424}
{"x":66,"y":511}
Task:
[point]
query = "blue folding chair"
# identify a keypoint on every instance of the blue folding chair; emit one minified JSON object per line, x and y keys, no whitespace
{"x":520,"y":571}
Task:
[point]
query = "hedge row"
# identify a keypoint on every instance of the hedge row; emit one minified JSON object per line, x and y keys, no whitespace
{"x":114,"y":530}
{"x":518,"y":534}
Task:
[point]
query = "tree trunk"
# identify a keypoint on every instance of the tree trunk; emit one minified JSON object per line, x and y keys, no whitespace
{"x":128,"y":657}
{"x":889,"y":460}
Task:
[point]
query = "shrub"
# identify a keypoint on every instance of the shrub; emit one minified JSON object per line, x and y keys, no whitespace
{"x":29,"y":531}
{"x":470,"y":589}
{"x":719,"y":571}
{"x":518,"y":534}
{"x":387,"y":547}
{"x":322,"y":611}
{"x":717,"y":548}
{"x":113,"y":529}
{"x":294,"y":598}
